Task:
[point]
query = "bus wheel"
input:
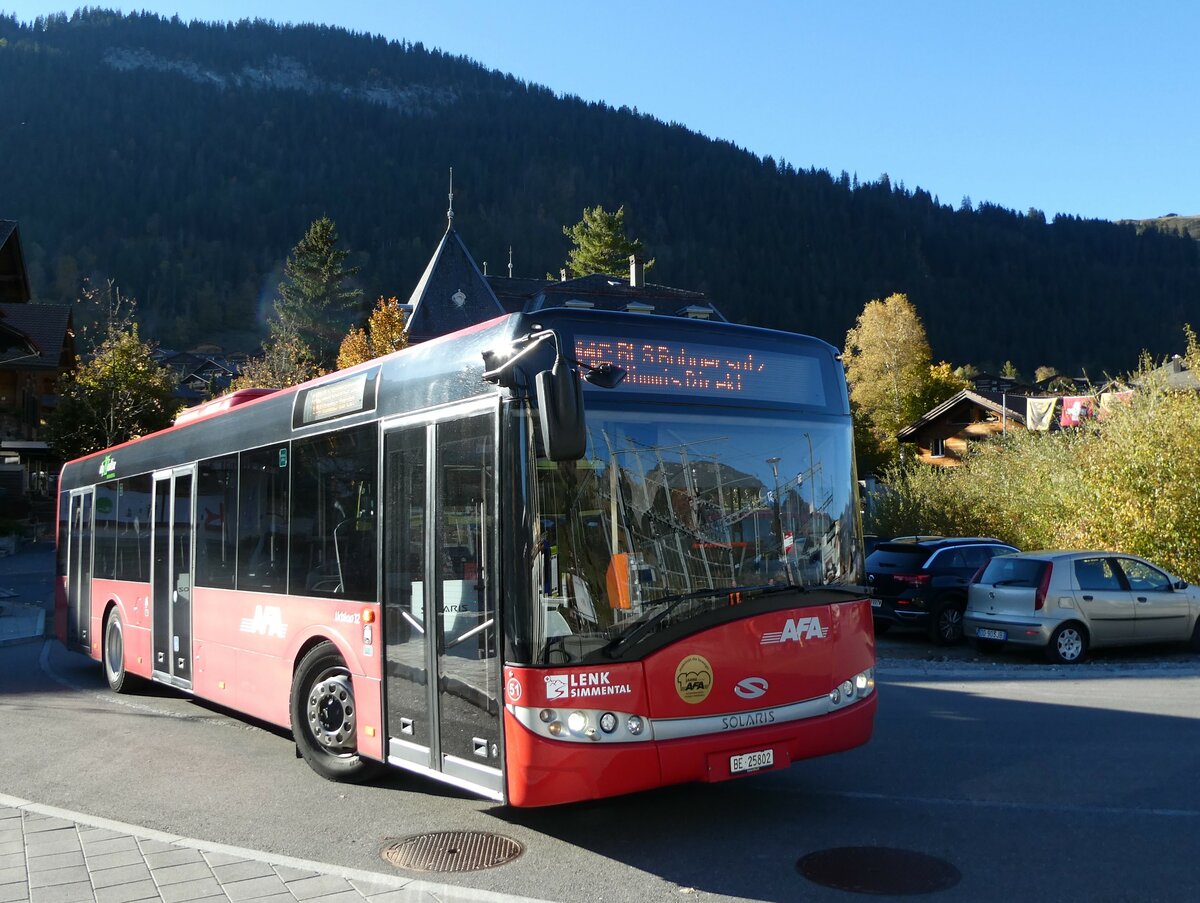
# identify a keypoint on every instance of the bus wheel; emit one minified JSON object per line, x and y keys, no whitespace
{"x":325,"y":719}
{"x":119,"y":680}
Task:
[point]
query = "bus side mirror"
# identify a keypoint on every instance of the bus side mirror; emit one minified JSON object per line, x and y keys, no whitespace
{"x":560,"y":412}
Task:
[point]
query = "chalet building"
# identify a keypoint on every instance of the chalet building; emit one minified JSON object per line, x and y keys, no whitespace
{"x":453,"y":293}
{"x":942,"y":435}
{"x":37,"y":346}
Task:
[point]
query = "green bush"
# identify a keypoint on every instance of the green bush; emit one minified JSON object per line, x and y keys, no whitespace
{"x":1128,"y":483}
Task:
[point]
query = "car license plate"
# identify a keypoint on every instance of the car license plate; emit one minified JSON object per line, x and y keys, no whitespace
{"x":752,"y":761}
{"x":985,"y":633}
{"x":876,"y":603}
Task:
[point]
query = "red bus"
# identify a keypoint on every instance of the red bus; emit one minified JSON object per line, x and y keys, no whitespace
{"x":549,"y":558}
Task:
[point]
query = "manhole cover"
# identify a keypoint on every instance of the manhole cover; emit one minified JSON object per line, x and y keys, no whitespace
{"x":452,"y":851}
{"x":878,"y":870}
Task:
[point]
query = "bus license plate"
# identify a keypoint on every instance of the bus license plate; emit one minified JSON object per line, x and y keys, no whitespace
{"x":753,"y":761}
{"x":985,"y":634}
{"x":876,"y":603}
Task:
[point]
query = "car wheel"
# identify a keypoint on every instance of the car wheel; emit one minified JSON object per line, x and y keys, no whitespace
{"x":882,"y":627}
{"x":325,"y":718}
{"x":946,"y":628}
{"x":1068,"y":645}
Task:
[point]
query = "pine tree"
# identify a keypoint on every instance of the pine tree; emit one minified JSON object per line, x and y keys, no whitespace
{"x":317,"y":301}
{"x":601,"y":245}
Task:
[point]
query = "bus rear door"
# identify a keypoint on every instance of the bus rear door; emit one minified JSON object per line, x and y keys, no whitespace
{"x":439,"y":518}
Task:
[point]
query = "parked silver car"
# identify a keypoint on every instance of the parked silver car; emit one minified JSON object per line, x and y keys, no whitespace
{"x":1069,"y":602}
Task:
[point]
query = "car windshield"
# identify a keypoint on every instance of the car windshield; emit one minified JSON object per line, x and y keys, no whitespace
{"x":668,"y":513}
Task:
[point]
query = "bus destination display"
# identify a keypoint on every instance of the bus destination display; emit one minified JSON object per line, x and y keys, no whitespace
{"x":697,"y":369}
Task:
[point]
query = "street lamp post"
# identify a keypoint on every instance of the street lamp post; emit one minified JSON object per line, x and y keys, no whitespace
{"x":787,"y":564}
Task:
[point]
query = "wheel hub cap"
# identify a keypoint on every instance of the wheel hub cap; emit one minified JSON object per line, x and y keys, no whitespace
{"x":331,"y":713}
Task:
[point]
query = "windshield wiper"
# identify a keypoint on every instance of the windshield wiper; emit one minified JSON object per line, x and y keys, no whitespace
{"x":674,"y":600}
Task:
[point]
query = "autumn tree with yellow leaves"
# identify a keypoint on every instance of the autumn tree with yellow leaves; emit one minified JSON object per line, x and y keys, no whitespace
{"x":385,"y":332}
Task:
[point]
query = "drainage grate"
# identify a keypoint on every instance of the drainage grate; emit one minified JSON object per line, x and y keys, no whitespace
{"x":878,"y":870}
{"x":452,"y":851}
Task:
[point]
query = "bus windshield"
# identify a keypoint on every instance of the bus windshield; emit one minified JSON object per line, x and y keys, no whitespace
{"x":667,"y":514}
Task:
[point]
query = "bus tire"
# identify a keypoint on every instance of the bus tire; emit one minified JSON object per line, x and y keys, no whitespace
{"x":325,"y":718}
{"x":119,"y":680}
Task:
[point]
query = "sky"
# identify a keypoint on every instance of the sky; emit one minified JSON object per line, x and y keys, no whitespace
{"x":1067,"y":107}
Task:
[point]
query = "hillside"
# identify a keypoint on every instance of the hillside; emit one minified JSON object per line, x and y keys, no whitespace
{"x":185,"y":160}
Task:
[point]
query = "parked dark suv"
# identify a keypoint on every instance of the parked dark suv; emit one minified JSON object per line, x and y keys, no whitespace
{"x":921,"y":581}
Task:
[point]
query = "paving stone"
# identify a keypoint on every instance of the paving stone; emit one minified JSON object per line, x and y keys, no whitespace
{"x":215,"y":859}
{"x":126,"y":874}
{"x":114,"y":860}
{"x":111,"y":845}
{"x":400,"y":895}
{"x":156,"y":846}
{"x":51,"y":842}
{"x":8,"y":835}
{"x":36,"y":824}
{"x":188,"y":871}
{"x":13,"y":873}
{"x":80,"y":892}
{"x":291,"y":874}
{"x":14,"y":893}
{"x":255,"y":888}
{"x":58,"y":876}
{"x":186,"y":891}
{"x":240,"y":871}
{"x":12,"y":846}
{"x":308,"y":888}
{"x":128,"y":892}
{"x":12,"y":860}
{"x":347,"y":896}
{"x":173,"y":856}
{"x":56,"y":861}
{"x":95,"y":835}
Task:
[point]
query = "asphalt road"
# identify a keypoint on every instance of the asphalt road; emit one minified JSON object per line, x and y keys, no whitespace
{"x":1030,"y":782}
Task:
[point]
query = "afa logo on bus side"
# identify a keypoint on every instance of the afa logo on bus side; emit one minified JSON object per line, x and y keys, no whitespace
{"x":693,"y":679}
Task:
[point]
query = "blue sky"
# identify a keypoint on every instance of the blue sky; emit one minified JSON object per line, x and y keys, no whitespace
{"x":1082,"y":108}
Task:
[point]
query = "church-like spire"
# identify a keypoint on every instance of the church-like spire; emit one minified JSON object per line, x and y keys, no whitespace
{"x":450,"y":212}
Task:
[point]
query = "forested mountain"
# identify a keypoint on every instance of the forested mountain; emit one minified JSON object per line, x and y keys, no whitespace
{"x":185,"y":160}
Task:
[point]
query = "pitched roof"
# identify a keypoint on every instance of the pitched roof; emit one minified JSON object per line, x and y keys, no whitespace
{"x":995,"y":402}
{"x":14,"y":282}
{"x":46,"y":326}
{"x":452,"y":294}
{"x":599,"y":291}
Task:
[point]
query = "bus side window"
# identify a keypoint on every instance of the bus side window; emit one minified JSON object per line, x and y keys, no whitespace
{"x":262,"y":520}
{"x":332,"y":518}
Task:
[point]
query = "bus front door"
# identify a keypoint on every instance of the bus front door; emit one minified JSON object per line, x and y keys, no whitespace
{"x":440,"y":599}
{"x":171,"y":576}
{"x":79,"y":570}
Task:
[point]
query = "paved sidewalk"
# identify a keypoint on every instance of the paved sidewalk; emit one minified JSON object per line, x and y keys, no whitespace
{"x":50,"y":855}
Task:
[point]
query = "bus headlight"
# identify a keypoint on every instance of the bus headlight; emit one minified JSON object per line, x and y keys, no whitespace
{"x":608,"y":722}
{"x":577,"y":722}
{"x":860,"y":686}
{"x":635,"y":725}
